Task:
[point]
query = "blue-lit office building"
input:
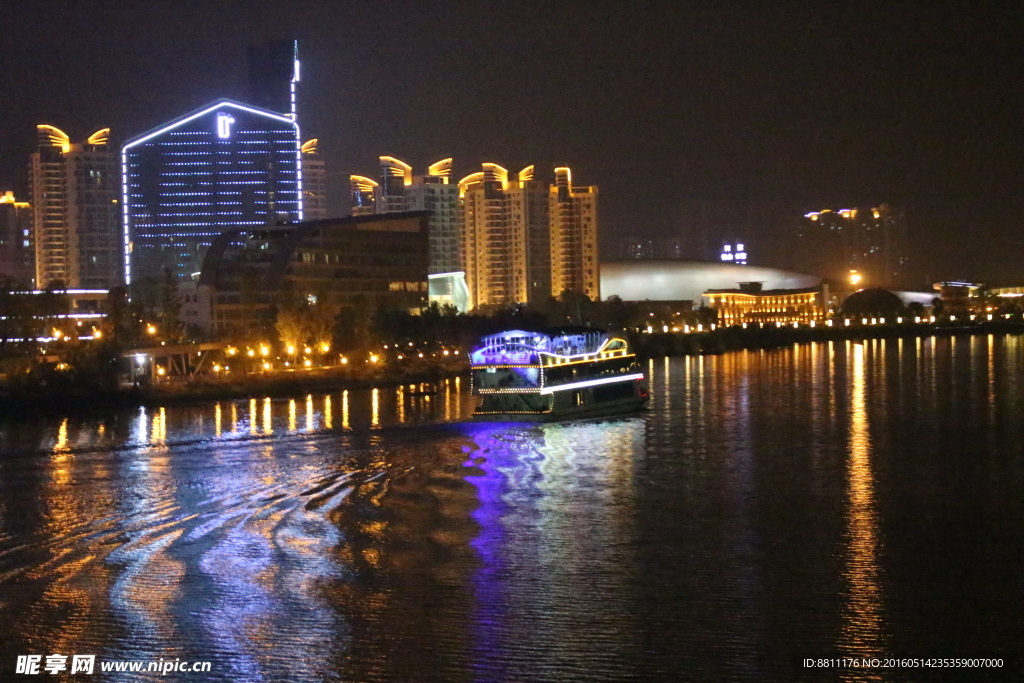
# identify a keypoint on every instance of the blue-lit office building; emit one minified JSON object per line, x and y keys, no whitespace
{"x":225,"y":166}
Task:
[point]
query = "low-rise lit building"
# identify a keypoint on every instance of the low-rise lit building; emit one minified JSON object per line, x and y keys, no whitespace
{"x":957,"y":297}
{"x":752,"y":304}
{"x":359,"y":262}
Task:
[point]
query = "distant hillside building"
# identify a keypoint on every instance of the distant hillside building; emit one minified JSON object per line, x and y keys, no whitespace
{"x":871,"y":241}
{"x":74,"y":190}
{"x":225,"y":166}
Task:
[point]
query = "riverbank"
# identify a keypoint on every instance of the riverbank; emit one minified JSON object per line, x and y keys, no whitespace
{"x":723,"y":339}
{"x":64,"y":397}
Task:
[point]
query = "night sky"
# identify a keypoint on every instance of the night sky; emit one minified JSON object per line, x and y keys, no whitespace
{"x":702,"y":120}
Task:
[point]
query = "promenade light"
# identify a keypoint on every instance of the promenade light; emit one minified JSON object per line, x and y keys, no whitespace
{"x":344,"y":361}
{"x":325,"y":347}
{"x":160,"y":371}
{"x":251,"y":353}
{"x":291,"y":350}
{"x":374,"y":358}
{"x":307,"y":362}
{"x":266,"y":366}
{"x":151,"y":329}
{"x":265,"y":350}
{"x":308,"y":350}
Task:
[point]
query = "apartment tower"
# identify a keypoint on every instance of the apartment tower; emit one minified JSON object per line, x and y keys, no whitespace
{"x":76,"y":226}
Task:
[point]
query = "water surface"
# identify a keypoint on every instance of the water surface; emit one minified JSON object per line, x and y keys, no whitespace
{"x":816,"y":501}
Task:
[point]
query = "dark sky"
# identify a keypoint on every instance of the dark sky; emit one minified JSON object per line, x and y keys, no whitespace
{"x":726,"y":114}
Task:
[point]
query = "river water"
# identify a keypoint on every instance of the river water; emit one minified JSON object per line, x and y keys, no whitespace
{"x":823,"y":500}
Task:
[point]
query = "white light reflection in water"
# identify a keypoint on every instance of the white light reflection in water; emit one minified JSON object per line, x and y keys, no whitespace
{"x":141,"y":430}
{"x":863,"y":628}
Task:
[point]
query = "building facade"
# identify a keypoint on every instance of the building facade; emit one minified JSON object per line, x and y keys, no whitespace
{"x":226,"y":166}
{"x":574,"y":257}
{"x":517,"y":239}
{"x":74,"y":190}
{"x":526,"y":240}
{"x":274,"y":75}
{"x":399,"y":190}
{"x":869,"y":240}
{"x":314,"y":182}
{"x":17,"y":242}
{"x":752,"y":304}
{"x":358,"y":262}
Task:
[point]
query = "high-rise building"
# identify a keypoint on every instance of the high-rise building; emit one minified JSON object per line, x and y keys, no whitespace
{"x":75,"y":211}
{"x":364,"y":195}
{"x":574,"y":264}
{"x":273,"y":75}
{"x":525,"y":240}
{"x":17,"y":244}
{"x":516,"y":239}
{"x":225,"y":165}
{"x":871,"y":241}
{"x":399,"y":190}
{"x":314,"y":183}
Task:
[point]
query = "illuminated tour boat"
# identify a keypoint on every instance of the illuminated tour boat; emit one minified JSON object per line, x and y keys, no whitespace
{"x":555,"y":375}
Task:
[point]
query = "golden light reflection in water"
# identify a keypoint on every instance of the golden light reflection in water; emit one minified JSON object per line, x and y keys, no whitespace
{"x":234,"y":418}
{"x":328,"y":412}
{"x":217,"y":418}
{"x":344,"y":409}
{"x":268,"y":416}
{"x":447,"y":400}
{"x":159,"y":428}
{"x":375,"y":408}
{"x":991,"y":367}
{"x":62,"y":437}
{"x":400,"y":402}
{"x":309,"y":412}
{"x":291,"y":415}
{"x":61,"y":456}
{"x":862,"y":630}
{"x":458,"y":398}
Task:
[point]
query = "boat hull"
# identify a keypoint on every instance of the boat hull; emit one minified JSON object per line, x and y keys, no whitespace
{"x":569,"y":406}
